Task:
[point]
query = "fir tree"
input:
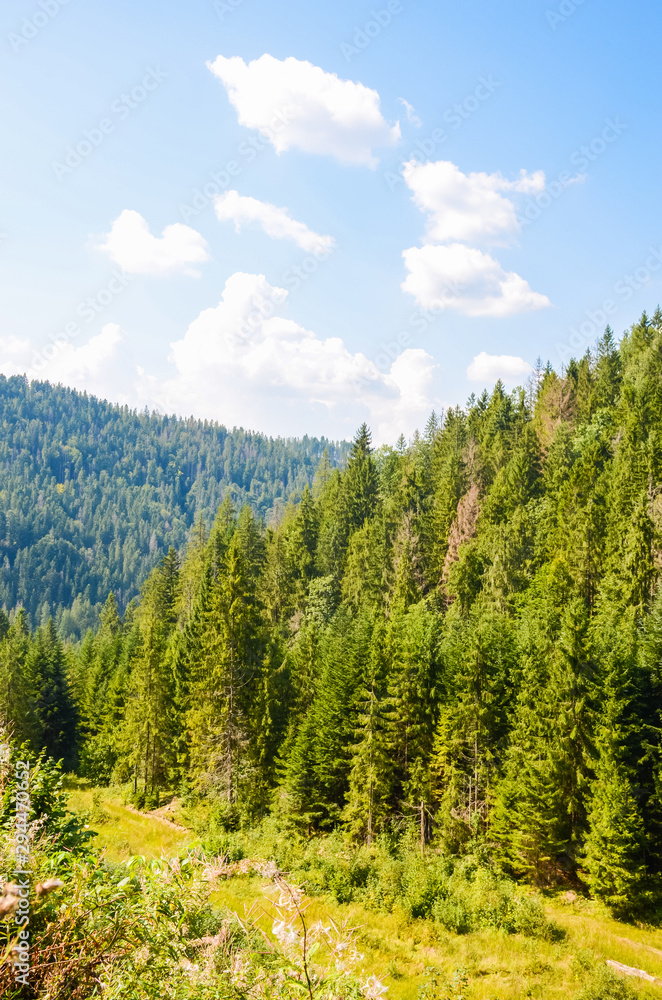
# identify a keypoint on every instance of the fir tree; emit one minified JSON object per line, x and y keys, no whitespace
{"x":47,"y":667}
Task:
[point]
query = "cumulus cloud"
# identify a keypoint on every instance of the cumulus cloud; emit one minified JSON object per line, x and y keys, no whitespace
{"x":489,"y":368}
{"x":468,"y":281}
{"x":244,"y":361}
{"x":131,"y":245}
{"x":467,"y":209}
{"x":470,"y":208}
{"x":276,"y":222}
{"x":95,"y":366}
{"x":15,"y":356}
{"x":297,"y":105}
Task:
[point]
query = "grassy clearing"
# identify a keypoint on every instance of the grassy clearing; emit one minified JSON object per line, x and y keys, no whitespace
{"x":500,"y":966}
{"x":122,"y":831}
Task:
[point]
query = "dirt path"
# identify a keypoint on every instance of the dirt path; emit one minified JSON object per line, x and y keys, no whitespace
{"x":158,"y":815}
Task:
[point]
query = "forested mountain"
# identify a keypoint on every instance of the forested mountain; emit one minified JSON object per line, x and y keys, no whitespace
{"x":93,"y":495}
{"x":463,"y":633}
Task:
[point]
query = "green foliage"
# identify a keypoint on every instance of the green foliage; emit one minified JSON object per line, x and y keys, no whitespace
{"x":605,"y":985}
{"x":460,"y":894}
{"x":49,"y":817}
{"x":144,"y":929}
{"x":437,"y":988}
{"x":475,"y":897}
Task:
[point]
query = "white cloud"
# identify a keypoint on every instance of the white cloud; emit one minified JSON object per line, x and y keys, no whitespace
{"x":468,"y":281}
{"x":489,"y":368}
{"x":92,"y":366}
{"x":276,"y":222}
{"x":243,"y":361}
{"x":131,"y":245}
{"x":15,"y":356}
{"x":296,"y":105}
{"x":470,"y":208}
{"x":412,"y":117}
{"x":95,"y":366}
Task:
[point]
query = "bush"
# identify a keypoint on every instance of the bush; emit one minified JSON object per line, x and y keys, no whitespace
{"x":605,"y":985}
{"x":475,"y":896}
{"x":97,"y":760}
{"x":49,"y":816}
{"x":145,"y":929}
{"x":460,"y":894}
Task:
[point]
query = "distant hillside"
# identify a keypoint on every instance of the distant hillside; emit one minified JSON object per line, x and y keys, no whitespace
{"x":92,"y":495}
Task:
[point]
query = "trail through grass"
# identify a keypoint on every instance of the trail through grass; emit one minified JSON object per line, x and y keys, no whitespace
{"x":122,"y":830}
{"x":500,"y":966}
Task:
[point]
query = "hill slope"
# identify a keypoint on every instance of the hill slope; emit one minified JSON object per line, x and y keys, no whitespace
{"x":92,"y":495}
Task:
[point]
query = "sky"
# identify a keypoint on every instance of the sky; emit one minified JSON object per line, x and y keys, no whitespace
{"x":294,"y":216}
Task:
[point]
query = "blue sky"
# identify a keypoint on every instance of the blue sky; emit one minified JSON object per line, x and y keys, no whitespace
{"x":527,"y":215}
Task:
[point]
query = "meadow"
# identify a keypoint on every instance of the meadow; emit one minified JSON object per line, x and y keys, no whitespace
{"x":413,"y":957}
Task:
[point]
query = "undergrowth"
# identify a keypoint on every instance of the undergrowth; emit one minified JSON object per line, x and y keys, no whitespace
{"x":462,"y":894}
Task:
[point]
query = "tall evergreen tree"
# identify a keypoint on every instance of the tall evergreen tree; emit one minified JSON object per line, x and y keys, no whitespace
{"x":47,"y":667}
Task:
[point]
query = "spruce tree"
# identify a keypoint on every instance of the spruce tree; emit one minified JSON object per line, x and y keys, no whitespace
{"x":18,"y":687}
{"x":368,"y":800}
{"x":360,"y":481}
{"x":47,"y":667}
{"x":150,"y":721}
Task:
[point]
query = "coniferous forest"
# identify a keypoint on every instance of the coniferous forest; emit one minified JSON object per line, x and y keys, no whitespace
{"x":459,"y":637}
{"x":93,"y":495}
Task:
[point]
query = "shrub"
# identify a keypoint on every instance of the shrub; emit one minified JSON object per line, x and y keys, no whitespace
{"x":605,"y":985}
{"x":476,"y":896}
{"x":461,"y":894}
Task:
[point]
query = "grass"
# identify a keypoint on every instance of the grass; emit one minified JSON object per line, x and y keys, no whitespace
{"x":500,"y":966}
{"x":122,"y":831}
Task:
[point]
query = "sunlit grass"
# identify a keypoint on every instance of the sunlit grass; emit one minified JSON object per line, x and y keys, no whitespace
{"x":121,"y":831}
{"x":500,"y":966}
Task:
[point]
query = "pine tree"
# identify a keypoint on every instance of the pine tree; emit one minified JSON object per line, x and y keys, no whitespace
{"x":302,"y":543}
{"x":368,"y":799}
{"x":360,"y":481}
{"x":18,"y":692}
{"x":614,"y":850}
{"x":47,"y":667}
{"x":413,"y":692}
{"x":529,"y":819}
{"x":150,"y":699}
{"x":476,"y":654}
{"x":226,"y":672}
{"x":316,"y":772}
